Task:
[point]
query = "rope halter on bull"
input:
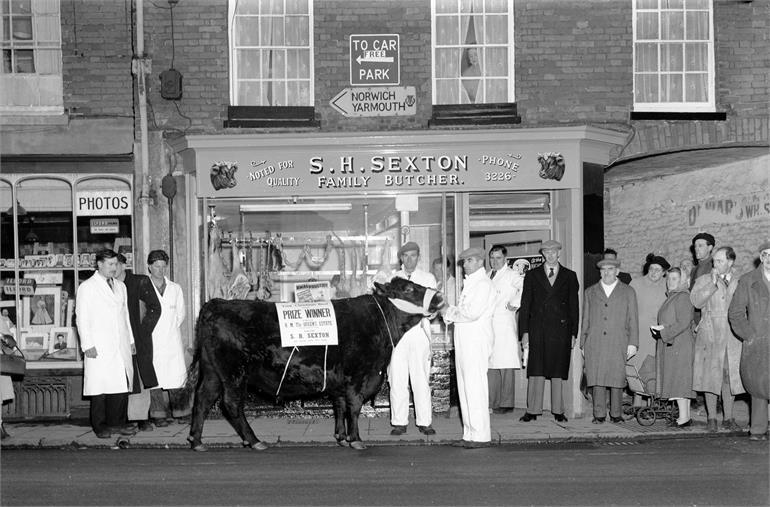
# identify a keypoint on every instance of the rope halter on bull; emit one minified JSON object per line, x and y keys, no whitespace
{"x":404,"y":306}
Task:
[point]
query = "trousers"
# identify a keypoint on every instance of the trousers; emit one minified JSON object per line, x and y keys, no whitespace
{"x":410,"y":364}
{"x":535,"y":389}
{"x":599,"y":395}
{"x":501,"y":387}
{"x":108,"y":411}
{"x":471,"y":360}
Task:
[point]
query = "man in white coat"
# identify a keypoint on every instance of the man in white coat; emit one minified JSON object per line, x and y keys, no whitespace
{"x":107,"y":342}
{"x":505,"y":349}
{"x":410,"y":362}
{"x":473,"y":337}
{"x":167,"y":347}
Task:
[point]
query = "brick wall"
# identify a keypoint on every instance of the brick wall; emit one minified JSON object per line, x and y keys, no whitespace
{"x":662,"y":214}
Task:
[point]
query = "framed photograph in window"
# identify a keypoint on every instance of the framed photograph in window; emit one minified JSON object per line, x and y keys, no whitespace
{"x":61,"y":338}
{"x":34,"y":341}
{"x":43,"y":309}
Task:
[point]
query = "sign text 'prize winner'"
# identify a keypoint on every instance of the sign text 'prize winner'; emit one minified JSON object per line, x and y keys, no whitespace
{"x":304,"y":324}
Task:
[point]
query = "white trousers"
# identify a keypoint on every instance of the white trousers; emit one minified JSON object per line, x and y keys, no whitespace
{"x":471,"y":360}
{"x":410,"y":362}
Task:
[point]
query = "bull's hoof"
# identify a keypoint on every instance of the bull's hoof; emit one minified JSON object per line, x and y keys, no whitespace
{"x":341,"y":440}
{"x":357,"y":445}
{"x":257,"y":446}
{"x":342,"y":443}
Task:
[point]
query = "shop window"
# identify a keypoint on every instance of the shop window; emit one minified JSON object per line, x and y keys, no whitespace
{"x":673,"y":56}
{"x":473,"y":59}
{"x":30,"y":39}
{"x":271,"y":64}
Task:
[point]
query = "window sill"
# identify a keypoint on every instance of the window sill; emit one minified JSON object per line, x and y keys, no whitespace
{"x":504,"y":113}
{"x":692,"y":116}
{"x":271,"y":117}
{"x":32,"y":117}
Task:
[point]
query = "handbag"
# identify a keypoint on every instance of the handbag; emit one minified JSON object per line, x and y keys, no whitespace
{"x":12,"y":360}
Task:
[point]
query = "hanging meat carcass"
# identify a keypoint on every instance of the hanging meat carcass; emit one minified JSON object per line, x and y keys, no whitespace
{"x":216,"y":274}
{"x":239,"y":283}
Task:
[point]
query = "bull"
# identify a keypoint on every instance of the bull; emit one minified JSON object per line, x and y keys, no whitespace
{"x":238,"y":345}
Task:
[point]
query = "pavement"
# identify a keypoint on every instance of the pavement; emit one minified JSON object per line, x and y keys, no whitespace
{"x":374,"y":429}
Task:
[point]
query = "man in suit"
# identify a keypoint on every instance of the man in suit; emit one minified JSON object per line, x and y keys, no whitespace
{"x":548,"y":323}
{"x":107,"y":342}
{"x":410,"y":362}
{"x":144,"y":312}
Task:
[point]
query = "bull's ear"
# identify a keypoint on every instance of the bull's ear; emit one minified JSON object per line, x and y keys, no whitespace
{"x":380,"y":289}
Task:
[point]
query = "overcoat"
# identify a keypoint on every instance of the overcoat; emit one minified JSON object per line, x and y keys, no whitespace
{"x":505,"y":351}
{"x":144,"y":312}
{"x":675,"y":347}
{"x":551,"y":316}
{"x":610,"y":325}
{"x":102,"y":322}
{"x":167,"y":348}
{"x":749,"y":316}
{"x":649,"y":297}
{"x":713,"y":337}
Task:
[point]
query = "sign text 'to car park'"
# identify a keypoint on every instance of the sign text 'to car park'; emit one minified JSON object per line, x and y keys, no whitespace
{"x":375,"y":60}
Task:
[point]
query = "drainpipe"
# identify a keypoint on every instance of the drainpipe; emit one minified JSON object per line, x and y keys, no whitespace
{"x":141,"y":67}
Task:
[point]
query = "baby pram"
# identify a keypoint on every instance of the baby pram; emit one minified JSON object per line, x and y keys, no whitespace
{"x":657,"y":407}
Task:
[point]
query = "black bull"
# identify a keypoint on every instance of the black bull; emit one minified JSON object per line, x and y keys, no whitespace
{"x":238,"y":344}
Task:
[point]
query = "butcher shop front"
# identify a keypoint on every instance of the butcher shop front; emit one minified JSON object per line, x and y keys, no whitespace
{"x":302,"y":217}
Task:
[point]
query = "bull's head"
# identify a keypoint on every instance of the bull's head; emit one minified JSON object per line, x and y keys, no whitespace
{"x":223,"y":175}
{"x":410,"y":297}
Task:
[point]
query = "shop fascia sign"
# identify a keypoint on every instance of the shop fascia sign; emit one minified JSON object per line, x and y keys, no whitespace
{"x":103,"y":203}
{"x":307,"y":170}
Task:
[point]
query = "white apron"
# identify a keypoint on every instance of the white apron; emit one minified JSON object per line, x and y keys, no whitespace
{"x":505,"y":349}
{"x":167,"y":347}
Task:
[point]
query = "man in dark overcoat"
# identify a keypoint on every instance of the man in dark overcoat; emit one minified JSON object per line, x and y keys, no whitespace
{"x":143,"y":312}
{"x":749,"y":316}
{"x":548,"y":323}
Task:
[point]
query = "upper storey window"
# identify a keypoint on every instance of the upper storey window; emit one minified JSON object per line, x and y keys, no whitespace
{"x":673,"y":55}
{"x":472,"y":51}
{"x":271,"y":47}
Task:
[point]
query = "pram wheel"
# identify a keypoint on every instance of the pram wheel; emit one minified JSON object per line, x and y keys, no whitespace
{"x":645,"y":416}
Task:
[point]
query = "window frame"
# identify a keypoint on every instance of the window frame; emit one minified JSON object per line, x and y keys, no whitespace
{"x":511,"y":79}
{"x":708,"y":106}
{"x":233,"y":64}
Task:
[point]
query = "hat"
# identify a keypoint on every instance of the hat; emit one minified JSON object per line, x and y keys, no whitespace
{"x":608,"y":262}
{"x":765,"y":245}
{"x":551,"y":244}
{"x":705,"y":236}
{"x":410,"y":246}
{"x":471,"y":252}
{"x":656,"y":259}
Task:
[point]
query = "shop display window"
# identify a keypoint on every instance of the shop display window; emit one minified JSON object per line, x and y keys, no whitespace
{"x":49,"y":236}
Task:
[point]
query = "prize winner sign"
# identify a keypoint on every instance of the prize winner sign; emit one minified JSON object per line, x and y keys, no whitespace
{"x":374,"y":60}
{"x":304,"y":324}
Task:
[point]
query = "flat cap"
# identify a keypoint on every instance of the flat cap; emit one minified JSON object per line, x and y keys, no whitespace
{"x":705,"y":236}
{"x":472,"y":252}
{"x":551,"y":244}
{"x":765,"y":245}
{"x":608,"y":262}
{"x":410,"y":246}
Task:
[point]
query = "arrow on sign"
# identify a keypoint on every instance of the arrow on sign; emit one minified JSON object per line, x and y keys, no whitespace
{"x":374,"y":59}
{"x":338,"y":102}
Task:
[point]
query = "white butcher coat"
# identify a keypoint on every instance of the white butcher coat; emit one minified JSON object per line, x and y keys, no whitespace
{"x":102,"y":322}
{"x":505,"y":351}
{"x":473,"y":339}
{"x":411,"y":360}
{"x":167,"y":347}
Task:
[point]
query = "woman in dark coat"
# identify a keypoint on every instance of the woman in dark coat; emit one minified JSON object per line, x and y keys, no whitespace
{"x":675,"y":346}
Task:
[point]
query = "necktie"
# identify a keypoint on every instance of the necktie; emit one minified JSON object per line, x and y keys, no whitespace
{"x":550,"y":273}
{"x":492,"y":273}
{"x":109,"y":282}
{"x":724,"y":279}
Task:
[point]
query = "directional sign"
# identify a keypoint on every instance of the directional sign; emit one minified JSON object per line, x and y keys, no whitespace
{"x":375,"y":60}
{"x":376,"y":101}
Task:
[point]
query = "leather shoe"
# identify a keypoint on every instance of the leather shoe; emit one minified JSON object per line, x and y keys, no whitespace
{"x":127,"y":431}
{"x":398,"y":430}
{"x":476,"y":445}
{"x":528,"y":417}
{"x":688,"y":423}
{"x":730,"y":425}
{"x":559,"y":417}
{"x":598,"y":420}
{"x":459,"y":443}
{"x":160,"y":423}
{"x":711,"y":425}
{"x":502,"y":410}
{"x":758,"y":438}
{"x":103,"y":434}
{"x":144,"y":426}
{"x":617,"y":419}
{"x":426,"y":430}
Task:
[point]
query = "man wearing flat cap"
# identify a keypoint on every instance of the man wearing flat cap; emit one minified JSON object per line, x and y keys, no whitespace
{"x":548,"y":323}
{"x":410,"y":362}
{"x":749,"y":316}
{"x":473,"y":340}
{"x":610,"y":337}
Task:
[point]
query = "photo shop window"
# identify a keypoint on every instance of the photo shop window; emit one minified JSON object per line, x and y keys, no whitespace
{"x":271,"y":47}
{"x":673,"y":55}
{"x":30,"y":39}
{"x":472,"y":51}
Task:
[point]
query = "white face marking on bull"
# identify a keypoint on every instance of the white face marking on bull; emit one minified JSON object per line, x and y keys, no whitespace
{"x":409,"y":307}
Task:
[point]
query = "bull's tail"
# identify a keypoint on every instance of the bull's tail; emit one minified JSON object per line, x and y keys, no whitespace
{"x":192,"y":371}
